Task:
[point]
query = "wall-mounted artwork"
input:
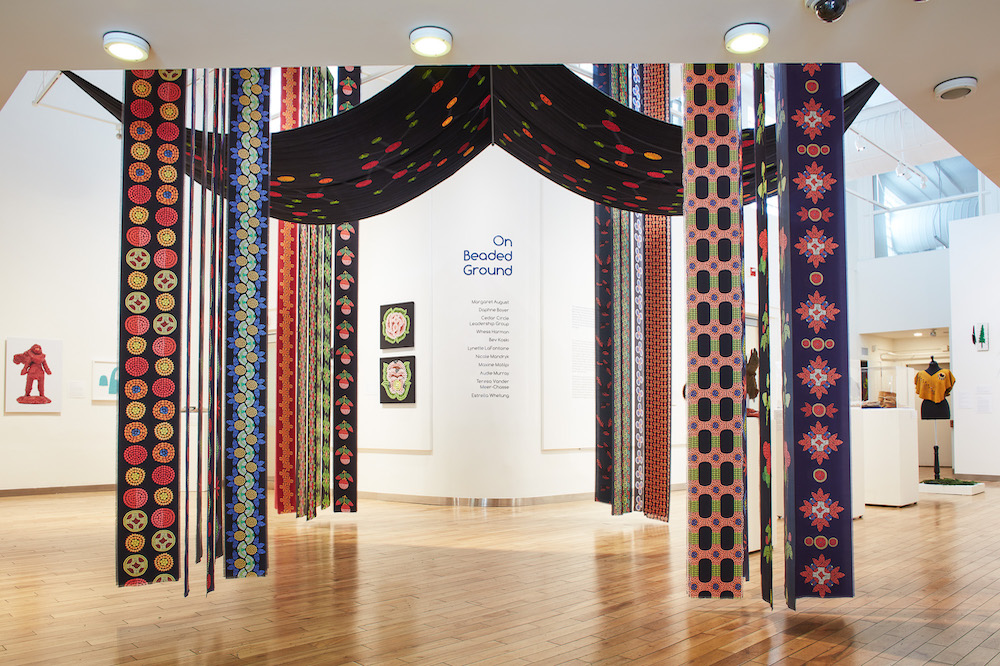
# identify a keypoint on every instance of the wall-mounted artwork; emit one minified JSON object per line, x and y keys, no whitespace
{"x":106,"y":382}
{"x":34,"y":375}
{"x":396,"y":325}
{"x":981,"y":336}
{"x":398,"y":379}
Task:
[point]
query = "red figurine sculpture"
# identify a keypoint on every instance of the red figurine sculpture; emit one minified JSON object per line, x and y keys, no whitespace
{"x":35,"y":368}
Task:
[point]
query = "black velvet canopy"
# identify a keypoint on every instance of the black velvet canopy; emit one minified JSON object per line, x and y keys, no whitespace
{"x":433,"y":120}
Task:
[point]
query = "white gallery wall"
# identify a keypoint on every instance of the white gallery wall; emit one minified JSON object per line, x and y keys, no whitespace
{"x":504,"y":362}
{"x":60,"y":182}
{"x":974,"y":399}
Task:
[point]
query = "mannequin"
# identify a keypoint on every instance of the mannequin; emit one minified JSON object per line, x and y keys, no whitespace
{"x":933,"y":385}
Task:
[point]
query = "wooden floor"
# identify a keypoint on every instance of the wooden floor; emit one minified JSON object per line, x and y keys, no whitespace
{"x":553,"y":584}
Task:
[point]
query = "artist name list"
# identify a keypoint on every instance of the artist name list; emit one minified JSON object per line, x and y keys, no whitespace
{"x":489,"y":351}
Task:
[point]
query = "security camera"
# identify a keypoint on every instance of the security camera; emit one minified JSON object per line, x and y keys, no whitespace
{"x":828,"y":10}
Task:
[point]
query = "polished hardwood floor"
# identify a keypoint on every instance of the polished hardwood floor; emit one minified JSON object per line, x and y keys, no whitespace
{"x":550,"y":584}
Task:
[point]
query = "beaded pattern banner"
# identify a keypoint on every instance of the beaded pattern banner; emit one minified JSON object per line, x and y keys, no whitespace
{"x":149,"y":355}
{"x":621,"y":346}
{"x":246,"y":328}
{"x":284,"y":483}
{"x":764,"y":329}
{"x":345,"y":388}
{"x":325,"y":356}
{"x":712,"y":207}
{"x":603,"y":328}
{"x":638,"y":325}
{"x":326,"y":108}
{"x":305,"y":449}
{"x":656,"y":359}
{"x":621,"y":450}
{"x":818,"y":546}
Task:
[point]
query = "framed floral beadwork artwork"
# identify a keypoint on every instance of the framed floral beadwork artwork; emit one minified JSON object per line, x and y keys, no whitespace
{"x":396,"y":325}
{"x":397,"y":379}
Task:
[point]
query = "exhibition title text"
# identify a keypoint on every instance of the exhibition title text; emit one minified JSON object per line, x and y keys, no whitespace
{"x":498,"y":261}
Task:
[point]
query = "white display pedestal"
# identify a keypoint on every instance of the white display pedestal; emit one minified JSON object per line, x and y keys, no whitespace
{"x":891,"y":474}
{"x":857,"y":466}
{"x":938,"y":489}
{"x":858,"y":445}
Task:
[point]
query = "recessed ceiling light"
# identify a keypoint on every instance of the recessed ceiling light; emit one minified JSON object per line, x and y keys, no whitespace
{"x":956,"y":88}
{"x":430,"y":41}
{"x":917,"y":334}
{"x":747,"y":38}
{"x":126,"y":46}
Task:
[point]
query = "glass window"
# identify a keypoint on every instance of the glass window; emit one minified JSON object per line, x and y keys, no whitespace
{"x":914,"y":204}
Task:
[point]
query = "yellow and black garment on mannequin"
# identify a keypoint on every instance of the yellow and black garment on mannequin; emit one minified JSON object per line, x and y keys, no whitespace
{"x":934,"y":387}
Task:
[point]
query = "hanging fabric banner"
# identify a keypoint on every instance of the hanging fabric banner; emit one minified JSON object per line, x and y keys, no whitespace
{"x":246,"y":325}
{"x":345,"y":390}
{"x":214,"y":523}
{"x":327,"y":106}
{"x":324,"y":341}
{"x":284,"y":431}
{"x":348,"y":87}
{"x":713,"y":207}
{"x":149,"y":351}
{"x":638,"y":325}
{"x":817,"y":454}
{"x":656,"y":334}
{"x":603,"y":328}
{"x":304,"y":446}
{"x":621,"y":347}
{"x":621,"y":451}
{"x":764,"y":345}
{"x":186,"y":406}
{"x":324,"y":105}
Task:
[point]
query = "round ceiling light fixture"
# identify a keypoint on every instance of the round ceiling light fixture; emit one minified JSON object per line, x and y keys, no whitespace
{"x":747,"y":38}
{"x":956,"y":88}
{"x":126,"y":46}
{"x":430,"y":41}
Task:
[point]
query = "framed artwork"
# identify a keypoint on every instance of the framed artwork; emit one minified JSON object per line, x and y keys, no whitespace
{"x":981,"y":336}
{"x":396,"y":325}
{"x":34,"y":375}
{"x":397,"y":380}
{"x":105,"y":381}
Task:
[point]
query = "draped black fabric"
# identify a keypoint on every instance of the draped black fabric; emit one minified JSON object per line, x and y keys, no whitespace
{"x":433,"y":120}
{"x":578,"y":137}
{"x":383,"y":152}
{"x":106,"y":100}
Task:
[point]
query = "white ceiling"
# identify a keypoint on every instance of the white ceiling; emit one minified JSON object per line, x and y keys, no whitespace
{"x":909,"y":46}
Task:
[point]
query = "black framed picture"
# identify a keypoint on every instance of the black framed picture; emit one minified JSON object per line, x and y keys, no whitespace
{"x":397,"y":379}
{"x":396,"y":325}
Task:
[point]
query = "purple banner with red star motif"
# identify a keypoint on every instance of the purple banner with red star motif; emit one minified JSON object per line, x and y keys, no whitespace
{"x":817,"y":458}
